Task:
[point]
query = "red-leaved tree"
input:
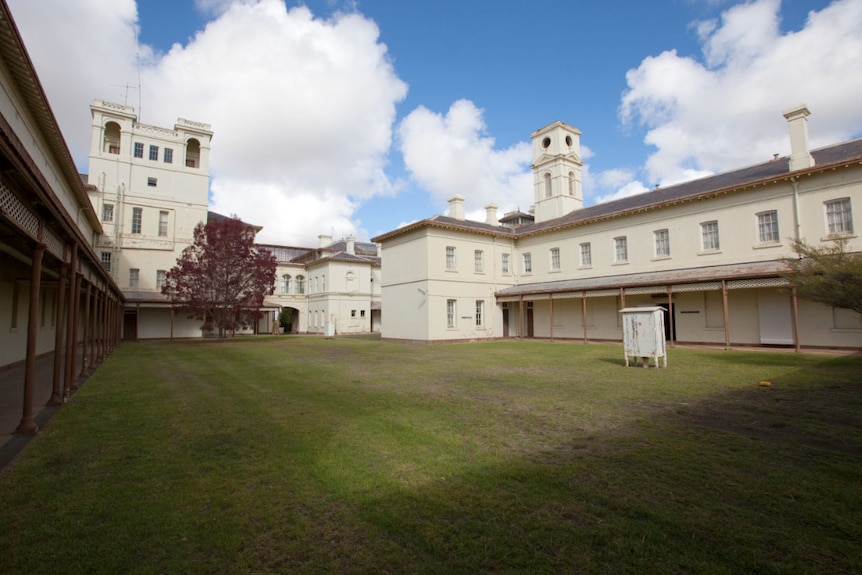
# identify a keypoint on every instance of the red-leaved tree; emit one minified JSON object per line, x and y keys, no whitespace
{"x":222,"y":278}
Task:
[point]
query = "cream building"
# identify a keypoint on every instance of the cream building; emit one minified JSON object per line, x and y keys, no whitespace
{"x":149,"y":187}
{"x":333,"y":289}
{"x":708,"y":251}
{"x":56,"y":301}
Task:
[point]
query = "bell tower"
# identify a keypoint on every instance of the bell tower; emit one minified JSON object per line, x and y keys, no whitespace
{"x":556,"y":171}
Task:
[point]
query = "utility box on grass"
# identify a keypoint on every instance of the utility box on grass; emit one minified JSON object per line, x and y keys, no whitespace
{"x":643,"y":334}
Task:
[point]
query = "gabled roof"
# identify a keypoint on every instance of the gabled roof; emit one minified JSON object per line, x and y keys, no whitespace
{"x":828,"y":158}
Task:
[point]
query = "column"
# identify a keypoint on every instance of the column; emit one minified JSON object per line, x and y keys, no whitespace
{"x":27,"y":426}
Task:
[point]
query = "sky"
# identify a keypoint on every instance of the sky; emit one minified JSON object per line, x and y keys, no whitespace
{"x":355,"y":117}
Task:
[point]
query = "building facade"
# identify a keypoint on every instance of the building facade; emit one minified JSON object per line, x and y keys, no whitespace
{"x":55,"y":298}
{"x":333,"y":289}
{"x":149,"y":187}
{"x":708,"y":251}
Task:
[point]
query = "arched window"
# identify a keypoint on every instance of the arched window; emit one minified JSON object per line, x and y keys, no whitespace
{"x":300,"y":284}
{"x":285,"y":283}
{"x":547,"y":185}
{"x":571,"y":183}
{"x":193,"y":153}
{"x":351,"y":284}
{"x":111,"y":143}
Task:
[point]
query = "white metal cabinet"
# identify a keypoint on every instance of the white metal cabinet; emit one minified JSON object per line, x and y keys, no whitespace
{"x":643,"y":334}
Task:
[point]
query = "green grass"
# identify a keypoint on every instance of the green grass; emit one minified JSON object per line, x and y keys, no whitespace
{"x":312,"y":455}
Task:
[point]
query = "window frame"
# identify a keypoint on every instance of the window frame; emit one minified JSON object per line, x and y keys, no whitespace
{"x":450,"y":258}
{"x":709,"y":236}
{"x":107,"y":212}
{"x":168,"y":156}
{"x":555,"y":259}
{"x":586,"y":254}
{"x":134,"y":277}
{"x":767,"y":231}
{"x":527,"y":262}
{"x":480,"y":313}
{"x":479,"y":261}
{"x":661,"y":243}
{"x":154,"y":153}
{"x":838,"y":218}
{"x":137,"y":220}
{"x":504,"y":263}
{"x":451,"y":313}
{"x":139,"y":150}
{"x":161,"y":279}
{"x":105,"y":258}
{"x":164,"y":218}
{"x":621,"y":250}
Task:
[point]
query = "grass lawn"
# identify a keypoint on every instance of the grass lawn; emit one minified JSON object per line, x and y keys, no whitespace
{"x":352,"y":455}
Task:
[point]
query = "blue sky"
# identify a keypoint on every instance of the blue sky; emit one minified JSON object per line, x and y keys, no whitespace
{"x":334,"y":117}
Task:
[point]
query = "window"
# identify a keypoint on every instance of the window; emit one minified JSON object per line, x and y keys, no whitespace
{"x":139,"y":150}
{"x":154,"y":152}
{"x":479,"y":259}
{"x":586,"y":255}
{"x":528,"y":263}
{"x":300,"y":284}
{"x":505,"y":263}
{"x":163,"y":223}
{"x":134,"y":277}
{"x":106,"y":260}
{"x":108,"y":212}
{"x":621,"y":249}
{"x":353,"y":313}
{"x":547,"y":185}
{"x":450,"y":313}
{"x":480,"y":312}
{"x":193,"y":153}
{"x":152,"y":182}
{"x":161,"y":279}
{"x":112,"y":138}
{"x":662,"y":243}
{"x":709,"y":235}
{"x":169,"y":156}
{"x":555,"y":259}
{"x":362,"y":313}
{"x":767,"y":227}
{"x":285,"y":283}
{"x":450,"y":258}
{"x":839,"y":219}
{"x":571,"y":183}
{"x":137,"y":214}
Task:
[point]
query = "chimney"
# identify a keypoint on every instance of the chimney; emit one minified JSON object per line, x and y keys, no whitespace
{"x":456,"y":207}
{"x":491,"y":215}
{"x":325,"y":241}
{"x":797,"y":119}
{"x":351,"y":245}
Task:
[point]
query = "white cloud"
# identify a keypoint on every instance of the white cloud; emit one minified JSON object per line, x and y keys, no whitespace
{"x":302,"y":108}
{"x":451,"y":154}
{"x":725,"y":112}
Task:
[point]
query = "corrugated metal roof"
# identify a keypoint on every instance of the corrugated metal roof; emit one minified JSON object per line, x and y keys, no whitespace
{"x":690,"y":275}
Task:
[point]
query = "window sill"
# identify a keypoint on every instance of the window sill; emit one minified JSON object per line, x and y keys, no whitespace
{"x":623,"y":263}
{"x":766,"y":245}
{"x":839,"y":236}
{"x":555,"y":271}
{"x":708,"y":252}
{"x":659,"y":258}
{"x":586,"y":267}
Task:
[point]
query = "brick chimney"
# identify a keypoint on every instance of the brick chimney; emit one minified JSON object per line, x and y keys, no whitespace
{"x":456,"y":207}
{"x":800,"y":155}
{"x":491,"y":215}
